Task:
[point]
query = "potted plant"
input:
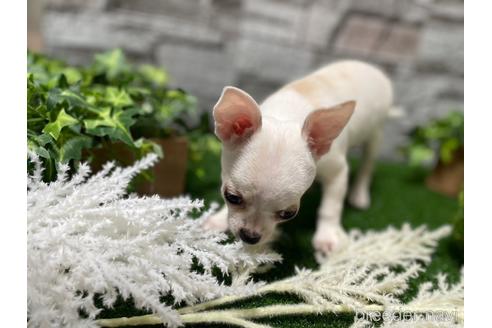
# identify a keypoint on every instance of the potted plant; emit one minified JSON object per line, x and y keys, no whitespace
{"x":109,"y":110}
{"x":439,"y":144}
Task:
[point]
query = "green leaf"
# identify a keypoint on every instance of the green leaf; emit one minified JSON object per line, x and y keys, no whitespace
{"x":117,"y":98}
{"x":63,"y":82}
{"x":41,"y":151}
{"x":447,"y":150}
{"x":103,"y":120}
{"x":73,"y":75}
{"x":146,"y":146}
{"x":111,"y":63}
{"x":123,"y":120}
{"x":74,"y":99}
{"x":44,"y":139}
{"x":420,"y":154}
{"x":153,"y":74}
{"x":72,"y":148}
{"x":53,"y":159}
{"x":114,"y":124}
{"x":138,"y":91}
{"x":57,"y":96}
{"x":62,"y":120}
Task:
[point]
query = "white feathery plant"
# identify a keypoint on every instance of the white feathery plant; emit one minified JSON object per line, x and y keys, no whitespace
{"x":86,"y":238}
{"x":358,"y":279}
{"x":432,"y":308}
{"x":444,"y":298}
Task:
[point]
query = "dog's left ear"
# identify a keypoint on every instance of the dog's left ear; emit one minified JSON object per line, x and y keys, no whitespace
{"x":237,"y":116}
{"x":322,"y":126}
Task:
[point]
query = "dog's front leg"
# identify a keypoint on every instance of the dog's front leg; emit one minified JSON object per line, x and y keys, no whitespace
{"x":329,"y":232}
{"x":217,"y":221}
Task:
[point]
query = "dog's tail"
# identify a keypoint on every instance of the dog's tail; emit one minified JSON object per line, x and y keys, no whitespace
{"x":396,"y":112}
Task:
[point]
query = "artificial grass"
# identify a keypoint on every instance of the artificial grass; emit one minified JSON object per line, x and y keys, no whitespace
{"x":398,"y":195}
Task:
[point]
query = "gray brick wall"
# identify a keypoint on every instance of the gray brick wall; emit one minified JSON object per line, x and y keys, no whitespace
{"x":259,"y":45}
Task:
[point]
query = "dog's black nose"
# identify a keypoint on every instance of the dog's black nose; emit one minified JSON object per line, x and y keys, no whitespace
{"x":249,"y":237}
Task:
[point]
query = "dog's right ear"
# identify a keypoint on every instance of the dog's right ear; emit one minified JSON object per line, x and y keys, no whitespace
{"x":237,"y":116}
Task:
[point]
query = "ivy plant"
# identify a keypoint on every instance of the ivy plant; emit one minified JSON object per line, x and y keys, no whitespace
{"x":436,"y":141}
{"x":71,"y":110}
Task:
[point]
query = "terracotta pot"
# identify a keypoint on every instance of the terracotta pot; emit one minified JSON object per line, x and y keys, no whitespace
{"x":448,"y":178}
{"x":170,"y":171}
{"x":168,"y":174}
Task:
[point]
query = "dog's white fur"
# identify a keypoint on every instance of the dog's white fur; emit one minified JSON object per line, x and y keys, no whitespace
{"x":272,"y":156}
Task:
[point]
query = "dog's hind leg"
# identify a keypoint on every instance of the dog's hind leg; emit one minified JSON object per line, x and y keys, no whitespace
{"x":359,"y":195}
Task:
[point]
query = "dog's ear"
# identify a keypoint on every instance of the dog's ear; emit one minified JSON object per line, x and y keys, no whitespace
{"x":237,"y":116}
{"x":322,"y":126}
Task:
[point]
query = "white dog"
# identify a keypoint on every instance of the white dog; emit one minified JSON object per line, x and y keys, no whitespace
{"x":272,"y":152}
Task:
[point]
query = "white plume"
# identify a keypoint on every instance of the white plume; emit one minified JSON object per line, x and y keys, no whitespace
{"x":87,"y":239}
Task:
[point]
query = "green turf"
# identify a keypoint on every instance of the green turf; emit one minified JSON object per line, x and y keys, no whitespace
{"x":398,"y":196}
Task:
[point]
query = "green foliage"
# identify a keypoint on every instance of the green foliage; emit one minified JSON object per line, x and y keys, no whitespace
{"x":203,"y":170}
{"x":438,"y":140}
{"x":61,"y":121}
{"x":459,"y":225}
{"x":71,"y":110}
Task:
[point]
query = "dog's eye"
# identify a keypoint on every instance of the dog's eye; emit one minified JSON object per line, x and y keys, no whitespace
{"x":233,"y":199}
{"x":286,"y":214}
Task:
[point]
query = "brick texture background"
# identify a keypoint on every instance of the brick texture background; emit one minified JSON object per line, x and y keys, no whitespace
{"x":260,"y":45}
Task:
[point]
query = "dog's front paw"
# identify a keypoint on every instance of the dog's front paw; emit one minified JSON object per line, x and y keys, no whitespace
{"x":328,"y":238}
{"x":216,"y":222}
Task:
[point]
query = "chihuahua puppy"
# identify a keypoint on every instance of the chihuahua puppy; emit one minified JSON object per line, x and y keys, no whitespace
{"x":273,"y":152}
